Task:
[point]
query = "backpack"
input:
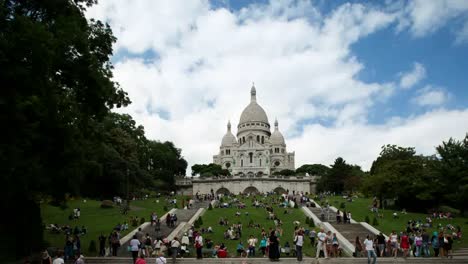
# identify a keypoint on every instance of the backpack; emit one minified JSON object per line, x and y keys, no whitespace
{"x":435,"y":242}
{"x":148,"y":241}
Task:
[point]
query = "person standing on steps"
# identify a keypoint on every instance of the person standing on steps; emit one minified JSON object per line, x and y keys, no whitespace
{"x":321,"y":237}
{"x":299,"y":241}
{"x":175,"y":245}
{"x":199,"y":245}
{"x":369,"y":244}
{"x":134,"y":247}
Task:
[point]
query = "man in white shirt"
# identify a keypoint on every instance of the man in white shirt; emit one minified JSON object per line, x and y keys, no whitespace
{"x":369,"y":244}
{"x":321,"y":238}
{"x":252,"y":243}
{"x":59,"y":259}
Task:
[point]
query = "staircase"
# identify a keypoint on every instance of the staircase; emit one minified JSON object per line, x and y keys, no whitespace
{"x":462,"y":252}
{"x":348,"y":231}
{"x":183,"y":215}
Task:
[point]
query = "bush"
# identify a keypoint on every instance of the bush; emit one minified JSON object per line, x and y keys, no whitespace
{"x":107,"y":204}
{"x":311,"y":222}
{"x":375,"y":222}
{"x":200,"y":221}
{"x":221,"y":200}
{"x":307,"y":220}
{"x":210,"y":207}
{"x":342,"y":205}
{"x":295,"y":205}
{"x":448,"y":209}
{"x":367,"y":220}
{"x":92,"y":246}
{"x":134,"y":222}
{"x":165,"y":208}
{"x":142,"y":220}
{"x":196,"y":224}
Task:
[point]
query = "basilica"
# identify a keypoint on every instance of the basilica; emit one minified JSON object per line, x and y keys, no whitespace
{"x":255,"y":150}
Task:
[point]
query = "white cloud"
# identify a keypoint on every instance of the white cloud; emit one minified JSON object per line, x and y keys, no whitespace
{"x":411,"y":78}
{"x":431,"y":96}
{"x":361,"y":144}
{"x":462,"y":36}
{"x":303,"y":69}
{"x":426,"y":17}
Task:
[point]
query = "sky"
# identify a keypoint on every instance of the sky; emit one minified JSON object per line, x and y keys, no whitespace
{"x":343,"y":78}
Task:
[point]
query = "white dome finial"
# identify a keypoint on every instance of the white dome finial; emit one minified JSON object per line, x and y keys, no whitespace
{"x":229,"y":125}
{"x":276,"y":123}
{"x":253,"y":93}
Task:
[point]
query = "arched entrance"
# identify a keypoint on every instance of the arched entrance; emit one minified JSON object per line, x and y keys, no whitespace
{"x":223,"y":191}
{"x":279,"y":190}
{"x":251,"y":190}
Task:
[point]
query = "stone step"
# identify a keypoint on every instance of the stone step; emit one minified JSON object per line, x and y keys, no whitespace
{"x":183,"y":216}
{"x":454,"y":260}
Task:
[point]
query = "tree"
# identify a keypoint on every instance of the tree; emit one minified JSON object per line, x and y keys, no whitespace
{"x":453,"y":171}
{"x":341,"y":177}
{"x":287,"y":172}
{"x":313,"y":169}
{"x":208,"y":170}
{"x":62,"y":138}
{"x":400,"y":174}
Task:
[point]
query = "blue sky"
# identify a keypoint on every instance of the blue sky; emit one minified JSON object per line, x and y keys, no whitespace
{"x":342,"y":77}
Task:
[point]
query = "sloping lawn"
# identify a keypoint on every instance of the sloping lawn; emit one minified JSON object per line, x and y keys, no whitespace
{"x":97,"y":220}
{"x":360,"y":208}
{"x":258,"y":216}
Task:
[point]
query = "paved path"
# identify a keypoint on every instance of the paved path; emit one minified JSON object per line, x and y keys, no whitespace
{"x":455,"y":260}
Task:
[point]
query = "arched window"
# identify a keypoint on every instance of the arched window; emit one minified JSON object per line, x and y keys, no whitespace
{"x":263,"y":140}
{"x":243,"y":139}
{"x":258,"y":138}
{"x":260,"y":162}
{"x":251,"y":156}
{"x":242,"y":163}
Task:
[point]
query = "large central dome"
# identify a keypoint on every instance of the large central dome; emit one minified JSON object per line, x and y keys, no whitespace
{"x":253,"y":112}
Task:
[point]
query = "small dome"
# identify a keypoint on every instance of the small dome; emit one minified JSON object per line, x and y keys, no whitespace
{"x":276,"y":137}
{"x":253,"y":112}
{"x":228,"y":139}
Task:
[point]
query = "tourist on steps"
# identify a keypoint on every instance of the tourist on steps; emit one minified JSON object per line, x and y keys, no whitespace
{"x":369,"y":244}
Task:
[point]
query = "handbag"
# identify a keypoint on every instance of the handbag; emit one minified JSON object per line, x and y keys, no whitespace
{"x":129,"y":248}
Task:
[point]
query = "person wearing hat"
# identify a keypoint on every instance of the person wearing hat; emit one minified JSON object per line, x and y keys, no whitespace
{"x":46,"y":259}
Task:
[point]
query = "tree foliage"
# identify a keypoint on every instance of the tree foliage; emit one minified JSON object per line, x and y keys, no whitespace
{"x":60,"y":135}
{"x":313,"y":169}
{"x":341,"y":177}
{"x":208,"y":170}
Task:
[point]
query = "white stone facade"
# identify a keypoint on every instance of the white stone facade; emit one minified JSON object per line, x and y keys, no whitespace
{"x":254,"y":184}
{"x":255,"y":150}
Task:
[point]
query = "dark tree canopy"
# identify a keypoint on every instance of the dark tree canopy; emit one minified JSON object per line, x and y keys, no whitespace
{"x":60,"y":136}
{"x":341,"y":177}
{"x":313,"y":169}
{"x":209,"y":170}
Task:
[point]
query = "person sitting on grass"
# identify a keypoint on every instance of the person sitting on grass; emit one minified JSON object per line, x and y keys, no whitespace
{"x":286,"y":249}
{"x":240,"y":249}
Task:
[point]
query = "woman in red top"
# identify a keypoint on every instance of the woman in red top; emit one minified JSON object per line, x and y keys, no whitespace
{"x":405,"y":244}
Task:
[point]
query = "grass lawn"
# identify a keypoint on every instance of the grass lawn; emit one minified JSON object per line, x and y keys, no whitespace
{"x":360,"y":209}
{"x":258,"y":215}
{"x":97,"y":220}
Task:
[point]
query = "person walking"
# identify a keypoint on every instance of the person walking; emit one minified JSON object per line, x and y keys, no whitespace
{"x":134,"y":247}
{"x":299,"y":241}
{"x":369,"y":244}
{"x":175,"y":245}
{"x":381,"y":245}
{"x":357,"y":247}
{"x":252,"y":242}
